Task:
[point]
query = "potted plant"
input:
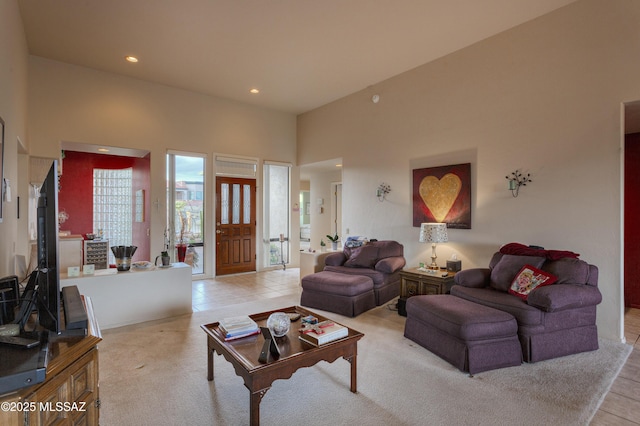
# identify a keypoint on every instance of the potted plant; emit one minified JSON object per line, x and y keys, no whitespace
{"x":323,"y":246}
{"x":181,"y":247}
{"x":164,"y":258}
{"x":334,"y":241}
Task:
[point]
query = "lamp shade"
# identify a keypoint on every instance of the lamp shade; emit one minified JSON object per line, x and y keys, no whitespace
{"x":433,"y":233}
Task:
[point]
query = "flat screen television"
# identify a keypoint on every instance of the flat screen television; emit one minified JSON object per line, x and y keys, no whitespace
{"x":48,"y":301}
{"x":43,"y":288}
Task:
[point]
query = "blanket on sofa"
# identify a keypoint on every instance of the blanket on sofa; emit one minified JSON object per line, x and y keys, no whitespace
{"x":523,"y":250}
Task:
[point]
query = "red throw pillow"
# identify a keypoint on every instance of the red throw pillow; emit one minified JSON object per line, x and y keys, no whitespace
{"x":528,"y":279}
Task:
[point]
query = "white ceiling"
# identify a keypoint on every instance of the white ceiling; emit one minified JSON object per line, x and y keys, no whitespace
{"x":301,"y":54}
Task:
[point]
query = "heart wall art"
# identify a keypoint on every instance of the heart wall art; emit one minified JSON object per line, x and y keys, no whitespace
{"x":443,"y":194}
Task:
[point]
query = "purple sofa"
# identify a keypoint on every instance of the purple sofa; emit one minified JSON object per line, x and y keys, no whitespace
{"x":379,"y":260}
{"x":555,"y":320}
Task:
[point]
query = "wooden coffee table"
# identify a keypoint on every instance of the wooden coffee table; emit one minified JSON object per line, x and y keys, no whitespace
{"x":294,"y":354}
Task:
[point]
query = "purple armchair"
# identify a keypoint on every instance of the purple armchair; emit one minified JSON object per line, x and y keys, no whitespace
{"x":379,"y":260}
{"x":555,"y":320}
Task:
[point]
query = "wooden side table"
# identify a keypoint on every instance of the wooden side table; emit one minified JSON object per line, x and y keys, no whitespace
{"x":414,"y":282}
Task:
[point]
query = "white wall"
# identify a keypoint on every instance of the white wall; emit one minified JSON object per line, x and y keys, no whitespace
{"x":13,"y":110}
{"x":543,"y":97}
{"x":76,"y":104}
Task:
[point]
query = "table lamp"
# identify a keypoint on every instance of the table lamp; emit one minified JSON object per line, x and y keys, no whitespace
{"x":433,"y":233}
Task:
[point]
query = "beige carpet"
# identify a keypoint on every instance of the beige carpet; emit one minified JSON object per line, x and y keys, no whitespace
{"x":155,"y":374}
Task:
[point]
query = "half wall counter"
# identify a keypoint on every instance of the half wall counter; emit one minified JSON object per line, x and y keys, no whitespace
{"x":138,"y":295}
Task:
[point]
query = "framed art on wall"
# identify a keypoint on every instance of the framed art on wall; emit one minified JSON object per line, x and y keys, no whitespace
{"x":443,"y":194}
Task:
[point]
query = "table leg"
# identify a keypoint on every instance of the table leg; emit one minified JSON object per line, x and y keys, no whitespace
{"x":354,"y":372}
{"x":254,"y":406}
{"x":209,"y":363}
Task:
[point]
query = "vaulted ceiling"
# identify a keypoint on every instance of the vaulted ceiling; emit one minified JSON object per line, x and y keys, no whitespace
{"x":299,"y":54}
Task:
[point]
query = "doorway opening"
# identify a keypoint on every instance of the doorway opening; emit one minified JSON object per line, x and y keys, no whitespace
{"x":78,"y":193}
{"x":322,"y":180}
{"x":631,"y":203}
{"x":305,"y":216}
{"x":235,"y":215}
{"x":336,"y":209}
{"x":235,"y":225}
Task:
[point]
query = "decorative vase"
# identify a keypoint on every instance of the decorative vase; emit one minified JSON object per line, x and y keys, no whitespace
{"x":165,"y":260}
{"x":182,"y":251}
{"x":334,"y":246}
{"x":279,"y":323}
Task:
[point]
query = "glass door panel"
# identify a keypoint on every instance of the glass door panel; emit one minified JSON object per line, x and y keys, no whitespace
{"x":185,"y":208}
{"x":276,"y":211}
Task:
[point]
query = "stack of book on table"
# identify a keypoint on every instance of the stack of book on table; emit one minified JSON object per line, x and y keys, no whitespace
{"x":323,"y":332}
{"x":237,"y":327}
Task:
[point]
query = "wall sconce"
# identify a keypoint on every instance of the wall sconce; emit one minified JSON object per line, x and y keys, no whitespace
{"x":382,"y":191}
{"x":516,"y":180}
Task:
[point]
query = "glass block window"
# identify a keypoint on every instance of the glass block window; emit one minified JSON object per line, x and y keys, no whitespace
{"x":113,"y":206}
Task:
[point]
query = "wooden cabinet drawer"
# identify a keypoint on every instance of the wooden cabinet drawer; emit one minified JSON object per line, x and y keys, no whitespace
{"x":409,"y":287}
{"x":431,"y":288}
{"x":70,"y":397}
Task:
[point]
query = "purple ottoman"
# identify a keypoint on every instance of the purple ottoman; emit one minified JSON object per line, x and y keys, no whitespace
{"x":470,"y":336}
{"x":344,"y":294}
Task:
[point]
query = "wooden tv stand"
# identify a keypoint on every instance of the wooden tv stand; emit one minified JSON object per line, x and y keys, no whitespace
{"x":69,"y":394}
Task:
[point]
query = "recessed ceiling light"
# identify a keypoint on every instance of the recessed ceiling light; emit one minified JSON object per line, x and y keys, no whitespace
{"x":254,"y":91}
{"x":103,"y":150}
{"x":131,"y":58}
{"x":338,"y":165}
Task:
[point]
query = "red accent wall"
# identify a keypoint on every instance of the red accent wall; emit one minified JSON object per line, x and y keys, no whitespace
{"x":76,"y":193}
{"x":632,"y":221}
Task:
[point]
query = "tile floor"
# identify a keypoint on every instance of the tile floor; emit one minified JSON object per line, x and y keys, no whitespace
{"x":232,"y":289}
{"x":621,"y":406}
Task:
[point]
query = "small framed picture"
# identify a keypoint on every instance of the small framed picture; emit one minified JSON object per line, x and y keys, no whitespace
{"x":88,"y":269}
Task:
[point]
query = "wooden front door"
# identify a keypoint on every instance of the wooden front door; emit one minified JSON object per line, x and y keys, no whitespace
{"x":235,"y":225}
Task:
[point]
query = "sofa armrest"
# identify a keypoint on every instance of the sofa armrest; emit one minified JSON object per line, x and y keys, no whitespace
{"x":474,"y":277}
{"x":335,"y":259}
{"x":389,"y":265}
{"x":559,"y":297}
